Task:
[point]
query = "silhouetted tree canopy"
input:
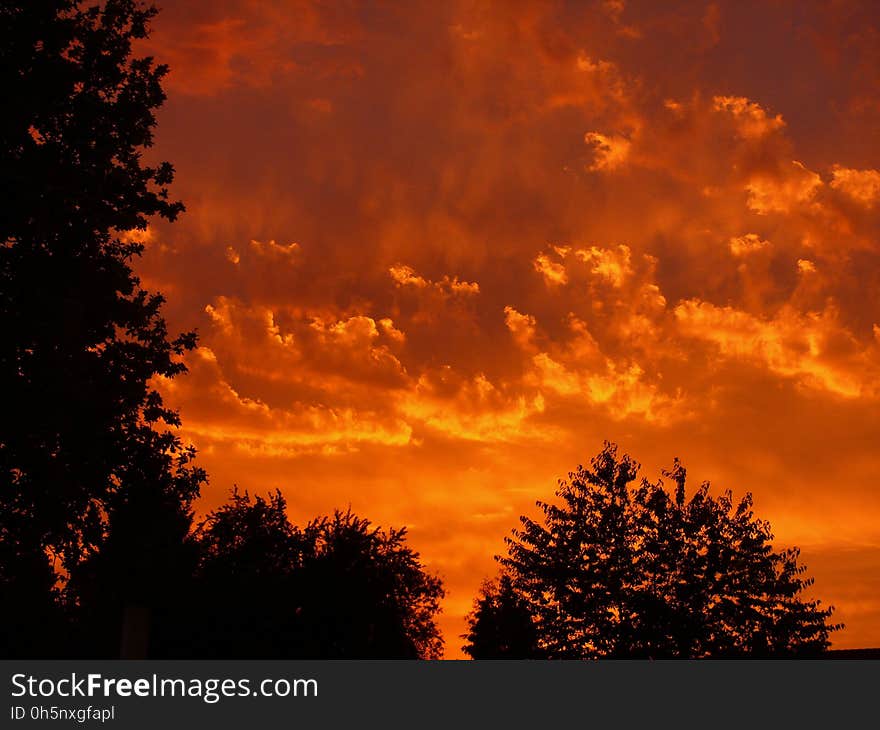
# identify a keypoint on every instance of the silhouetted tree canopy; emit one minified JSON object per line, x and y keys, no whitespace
{"x":336,"y":588}
{"x":617,"y":570}
{"x":84,"y":438}
{"x":501,"y":625}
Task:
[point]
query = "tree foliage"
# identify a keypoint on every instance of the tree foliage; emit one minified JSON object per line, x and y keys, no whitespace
{"x":501,"y":625}
{"x":336,"y":588}
{"x":85,"y":440}
{"x":617,"y":570}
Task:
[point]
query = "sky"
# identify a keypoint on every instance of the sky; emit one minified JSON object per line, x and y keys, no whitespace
{"x":438,"y":252}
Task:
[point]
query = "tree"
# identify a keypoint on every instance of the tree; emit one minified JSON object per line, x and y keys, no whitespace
{"x":85,"y":441}
{"x":501,"y":624}
{"x":337,"y":588}
{"x":615,"y":570}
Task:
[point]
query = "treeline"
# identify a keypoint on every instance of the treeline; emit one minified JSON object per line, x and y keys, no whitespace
{"x":100,"y":555}
{"x":246,"y":583}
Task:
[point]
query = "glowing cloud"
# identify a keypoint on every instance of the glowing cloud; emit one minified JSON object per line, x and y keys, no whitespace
{"x":863,"y":186}
{"x":521,"y":231}
{"x":751,"y":120}
{"x":794,"y":186}
{"x":610,"y":152}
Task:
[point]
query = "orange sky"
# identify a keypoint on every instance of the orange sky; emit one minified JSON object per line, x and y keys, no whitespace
{"x":438,"y":251}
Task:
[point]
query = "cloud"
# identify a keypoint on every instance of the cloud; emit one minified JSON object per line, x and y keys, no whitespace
{"x":805,"y":266}
{"x":863,"y":186}
{"x":576,"y":369}
{"x":521,"y":326}
{"x":552,"y":271}
{"x":472,"y":409}
{"x":780,"y":193}
{"x":752,"y":122}
{"x":518,"y":234}
{"x":272,"y":250}
{"x":610,"y":152}
{"x":307,"y":348}
{"x":747,"y":244}
{"x":218,"y":48}
{"x":623,"y":392}
{"x":613,"y":265}
{"x":406,"y":276}
{"x":812,"y":347}
{"x":221,"y":417}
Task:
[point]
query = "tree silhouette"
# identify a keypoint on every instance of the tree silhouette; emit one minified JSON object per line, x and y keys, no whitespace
{"x":136,"y":578}
{"x":501,"y":625}
{"x":82,"y":440}
{"x":620,"y":571}
{"x":337,"y":588}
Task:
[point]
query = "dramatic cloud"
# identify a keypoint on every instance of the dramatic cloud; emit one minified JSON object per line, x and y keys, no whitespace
{"x":780,"y":193}
{"x":751,"y":120}
{"x":438,"y":252}
{"x":862,"y":186}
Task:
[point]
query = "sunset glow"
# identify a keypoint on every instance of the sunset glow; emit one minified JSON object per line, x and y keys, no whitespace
{"x":438,"y":252}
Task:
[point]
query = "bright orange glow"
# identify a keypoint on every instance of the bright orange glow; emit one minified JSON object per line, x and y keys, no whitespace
{"x":438,"y":251}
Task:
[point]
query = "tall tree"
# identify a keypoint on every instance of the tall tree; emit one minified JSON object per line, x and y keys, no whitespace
{"x":616,"y":570}
{"x":336,"y":588}
{"x":83,"y":435}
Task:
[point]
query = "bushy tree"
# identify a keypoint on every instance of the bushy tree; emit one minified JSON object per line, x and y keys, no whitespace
{"x":617,"y":570}
{"x":336,"y":588}
{"x":85,"y":440}
{"x":501,"y":624}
